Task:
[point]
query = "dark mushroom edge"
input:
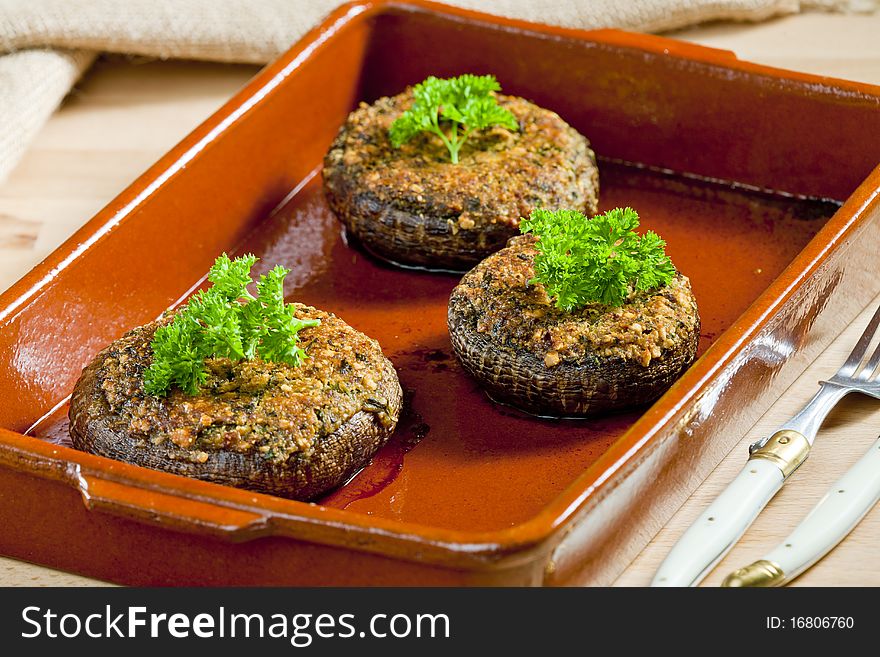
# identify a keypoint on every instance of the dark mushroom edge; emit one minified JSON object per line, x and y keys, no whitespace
{"x":294,"y":432}
{"x":528,"y":353}
{"x":412,"y":206}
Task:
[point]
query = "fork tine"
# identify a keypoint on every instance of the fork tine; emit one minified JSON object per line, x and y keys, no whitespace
{"x":858,"y":352}
{"x":867,"y":374}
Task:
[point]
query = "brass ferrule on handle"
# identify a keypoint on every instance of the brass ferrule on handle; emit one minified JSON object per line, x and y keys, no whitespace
{"x":786,"y":449}
{"x":761,"y":573}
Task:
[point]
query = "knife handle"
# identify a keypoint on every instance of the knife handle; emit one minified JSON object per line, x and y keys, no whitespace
{"x":720,"y":525}
{"x":835,"y":516}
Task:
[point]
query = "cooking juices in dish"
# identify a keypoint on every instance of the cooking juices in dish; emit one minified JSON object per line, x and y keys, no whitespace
{"x":449,"y":430}
{"x":439,"y":175}
{"x":240,"y":390}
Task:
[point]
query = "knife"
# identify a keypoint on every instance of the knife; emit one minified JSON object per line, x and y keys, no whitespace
{"x":835,"y":516}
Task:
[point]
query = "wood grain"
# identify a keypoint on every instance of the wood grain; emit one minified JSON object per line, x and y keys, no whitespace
{"x":126,"y":113}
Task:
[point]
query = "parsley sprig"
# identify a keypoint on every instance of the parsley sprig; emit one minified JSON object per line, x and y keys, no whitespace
{"x":226,"y":321}
{"x":582,"y":261}
{"x":452,"y":109}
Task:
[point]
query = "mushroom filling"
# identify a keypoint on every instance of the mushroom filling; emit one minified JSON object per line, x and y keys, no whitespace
{"x":413,"y":205}
{"x":513,"y":312}
{"x":256,"y":407}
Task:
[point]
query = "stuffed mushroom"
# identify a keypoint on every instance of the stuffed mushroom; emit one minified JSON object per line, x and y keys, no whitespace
{"x":408,"y":202}
{"x":527,"y":351}
{"x":291,"y":429}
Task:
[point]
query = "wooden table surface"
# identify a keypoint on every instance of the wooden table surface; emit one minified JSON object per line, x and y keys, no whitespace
{"x":126,"y":113}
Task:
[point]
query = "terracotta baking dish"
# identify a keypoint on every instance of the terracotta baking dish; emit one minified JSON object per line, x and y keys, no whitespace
{"x":760,"y":180}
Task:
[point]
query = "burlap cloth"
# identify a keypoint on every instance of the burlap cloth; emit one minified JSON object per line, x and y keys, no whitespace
{"x":47,"y":44}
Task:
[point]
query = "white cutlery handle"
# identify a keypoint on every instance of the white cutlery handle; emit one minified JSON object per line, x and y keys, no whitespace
{"x":836,"y":514}
{"x":720,"y":525}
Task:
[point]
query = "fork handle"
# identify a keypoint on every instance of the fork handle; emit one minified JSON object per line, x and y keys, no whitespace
{"x":835,"y":516}
{"x":720,"y":526}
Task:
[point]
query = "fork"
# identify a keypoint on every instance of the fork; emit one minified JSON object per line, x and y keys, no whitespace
{"x":771,"y":462}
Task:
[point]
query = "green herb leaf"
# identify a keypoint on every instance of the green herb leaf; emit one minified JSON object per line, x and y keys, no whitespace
{"x":278,"y":320}
{"x":226,"y":321}
{"x":599,"y":260}
{"x":452,"y":109}
{"x":231,"y":277}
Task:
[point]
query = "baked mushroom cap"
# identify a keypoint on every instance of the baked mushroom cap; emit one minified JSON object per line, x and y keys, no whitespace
{"x":412,"y":206}
{"x":528,"y":353}
{"x":294,"y":432}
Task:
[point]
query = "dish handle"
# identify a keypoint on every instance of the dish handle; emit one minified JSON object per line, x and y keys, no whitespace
{"x":169,"y":511}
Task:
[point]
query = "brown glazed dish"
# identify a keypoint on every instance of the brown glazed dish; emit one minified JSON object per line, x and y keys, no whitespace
{"x":466,"y":492}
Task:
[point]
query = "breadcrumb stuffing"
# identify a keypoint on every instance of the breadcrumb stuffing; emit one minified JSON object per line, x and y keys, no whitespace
{"x":501,"y":176}
{"x":517,"y":312}
{"x":251,"y":406}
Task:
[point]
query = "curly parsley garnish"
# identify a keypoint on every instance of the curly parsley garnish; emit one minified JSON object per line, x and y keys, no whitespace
{"x":599,"y":260}
{"x":452,"y":109}
{"x":226,"y":321}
